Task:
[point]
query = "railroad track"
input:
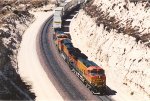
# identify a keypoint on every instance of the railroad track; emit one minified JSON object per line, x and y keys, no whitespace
{"x":66,"y":24}
{"x":66,"y":83}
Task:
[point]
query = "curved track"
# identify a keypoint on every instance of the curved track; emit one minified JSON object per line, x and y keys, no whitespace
{"x":67,"y":84}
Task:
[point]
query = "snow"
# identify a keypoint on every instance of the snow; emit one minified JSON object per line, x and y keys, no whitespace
{"x":45,"y":7}
{"x":30,"y":67}
{"x":125,"y":61}
{"x":139,"y":13}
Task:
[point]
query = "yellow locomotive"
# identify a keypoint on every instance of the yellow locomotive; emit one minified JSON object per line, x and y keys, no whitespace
{"x":89,"y":72}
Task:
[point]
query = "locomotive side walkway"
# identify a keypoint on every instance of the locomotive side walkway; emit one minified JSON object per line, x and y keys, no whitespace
{"x":30,"y":68}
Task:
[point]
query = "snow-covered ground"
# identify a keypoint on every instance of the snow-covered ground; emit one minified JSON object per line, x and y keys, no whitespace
{"x":126,"y":62}
{"x":30,"y":67}
{"x":128,"y":13}
{"x":48,"y":7}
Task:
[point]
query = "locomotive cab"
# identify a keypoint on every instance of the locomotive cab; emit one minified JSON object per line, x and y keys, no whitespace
{"x":97,"y":78}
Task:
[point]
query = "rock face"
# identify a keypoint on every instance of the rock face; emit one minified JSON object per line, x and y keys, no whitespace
{"x":14,"y":19}
{"x":121,"y":55}
{"x":11,"y":30}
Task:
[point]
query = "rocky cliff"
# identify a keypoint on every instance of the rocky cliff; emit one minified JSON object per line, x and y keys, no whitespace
{"x":116,"y":46}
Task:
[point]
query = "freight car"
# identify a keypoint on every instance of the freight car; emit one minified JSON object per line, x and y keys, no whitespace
{"x":60,"y":11}
{"x":57,"y":19}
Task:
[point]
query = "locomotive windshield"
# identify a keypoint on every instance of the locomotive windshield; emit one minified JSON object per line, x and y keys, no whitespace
{"x":95,"y":72}
{"x":101,"y":72}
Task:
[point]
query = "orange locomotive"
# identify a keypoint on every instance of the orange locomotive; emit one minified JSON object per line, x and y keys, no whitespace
{"x":90,"y":73}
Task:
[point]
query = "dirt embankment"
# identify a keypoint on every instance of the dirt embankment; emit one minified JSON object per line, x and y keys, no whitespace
{"x":14,"y":20}
{"x":120,"y":44}
{"x":131,"y":25}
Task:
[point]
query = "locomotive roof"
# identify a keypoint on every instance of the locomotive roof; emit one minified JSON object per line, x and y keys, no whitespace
{"x":67,"y":41}
{"x":69,"y":46}
{"x":72,"y":50}
{"x":87,"y":62}
{"x":60,"y":32}
{"x":77,"y":53}
{"x":96,"y":67}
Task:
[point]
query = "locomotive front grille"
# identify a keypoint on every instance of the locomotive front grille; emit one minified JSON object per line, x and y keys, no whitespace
{"x":99,"y":82}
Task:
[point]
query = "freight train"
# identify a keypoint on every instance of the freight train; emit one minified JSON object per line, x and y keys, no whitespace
{"x":92,"y":75}
{"x":62,"y":10}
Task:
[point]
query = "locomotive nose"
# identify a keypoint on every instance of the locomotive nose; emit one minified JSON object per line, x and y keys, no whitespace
{"x":99,"y":80}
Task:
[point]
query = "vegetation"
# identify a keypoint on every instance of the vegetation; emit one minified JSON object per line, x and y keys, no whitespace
{"x":13,"y":15}
{"x":113,"y":23}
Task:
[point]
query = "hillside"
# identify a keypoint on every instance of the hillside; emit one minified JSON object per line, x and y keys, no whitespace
{"x":115,"y":34}
{"x":15,"y":19}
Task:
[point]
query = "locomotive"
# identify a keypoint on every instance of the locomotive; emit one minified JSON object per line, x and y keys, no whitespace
{"x":92,"y":75}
